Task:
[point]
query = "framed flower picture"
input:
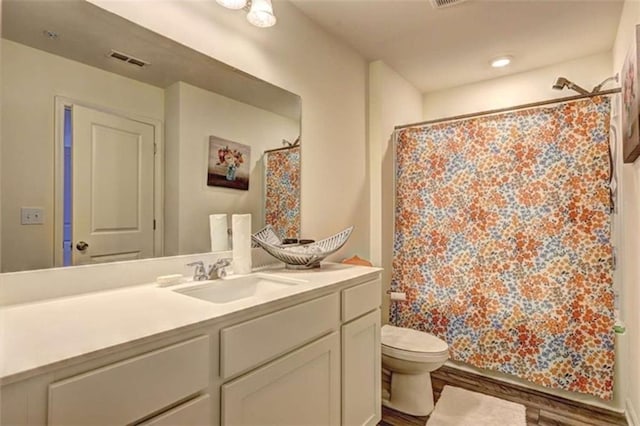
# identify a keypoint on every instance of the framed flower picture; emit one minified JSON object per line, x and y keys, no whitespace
{"x":229,"y":164}
{"x":630,"y":132}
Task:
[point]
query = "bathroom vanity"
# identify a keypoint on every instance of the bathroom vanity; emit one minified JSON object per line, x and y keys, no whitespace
{"x":306,"y":351}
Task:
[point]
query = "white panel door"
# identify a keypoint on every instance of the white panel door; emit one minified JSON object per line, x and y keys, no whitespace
{"x":361,"y":364}
{"x":299,"y":389}
{"x":113,"y":187}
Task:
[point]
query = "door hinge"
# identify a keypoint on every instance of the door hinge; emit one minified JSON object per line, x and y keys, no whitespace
{"x":154,"y":224}
{"x":155,"y":148}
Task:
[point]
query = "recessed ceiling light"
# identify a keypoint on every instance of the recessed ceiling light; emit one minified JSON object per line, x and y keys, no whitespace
{"x":501,"y":62}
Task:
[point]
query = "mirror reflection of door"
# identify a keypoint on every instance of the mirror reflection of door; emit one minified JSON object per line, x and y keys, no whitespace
{"x":108,"y":198}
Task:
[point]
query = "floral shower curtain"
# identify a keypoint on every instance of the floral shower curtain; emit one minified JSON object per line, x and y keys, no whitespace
{"x":502,"y":242}
{"x":282,"y":191}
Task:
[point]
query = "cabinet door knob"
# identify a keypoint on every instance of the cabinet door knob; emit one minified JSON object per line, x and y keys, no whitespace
{"x":82,"y":246}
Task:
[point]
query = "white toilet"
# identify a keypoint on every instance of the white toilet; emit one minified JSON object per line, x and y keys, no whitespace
{"x":410,"y":356}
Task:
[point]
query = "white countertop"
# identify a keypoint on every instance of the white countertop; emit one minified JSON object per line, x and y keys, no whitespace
{"x":44,"y":335}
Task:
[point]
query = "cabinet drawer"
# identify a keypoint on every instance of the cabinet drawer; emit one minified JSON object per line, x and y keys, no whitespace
{"x":251,"y":343}
{"x":361,"y":299}
{"x":196,"y":412}
{"x":132,"y":389}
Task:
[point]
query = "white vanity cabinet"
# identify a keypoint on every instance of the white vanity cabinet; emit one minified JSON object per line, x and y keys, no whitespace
{"x":312,"y":359}
{"x":334,"y":380}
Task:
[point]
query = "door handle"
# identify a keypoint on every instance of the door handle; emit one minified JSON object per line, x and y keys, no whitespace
{"x":82,"y":246}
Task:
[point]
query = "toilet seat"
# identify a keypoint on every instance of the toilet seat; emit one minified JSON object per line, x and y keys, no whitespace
{"x":412,"y":345}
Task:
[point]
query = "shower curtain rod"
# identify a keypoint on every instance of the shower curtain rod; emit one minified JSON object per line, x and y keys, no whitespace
{"x":281,"y":149}
{"x":513,"y":108}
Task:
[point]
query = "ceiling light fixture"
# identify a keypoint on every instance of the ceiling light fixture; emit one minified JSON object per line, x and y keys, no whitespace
{"x":501,"y":62}
{"x":259,"y":12}
{"x":232,"y":4}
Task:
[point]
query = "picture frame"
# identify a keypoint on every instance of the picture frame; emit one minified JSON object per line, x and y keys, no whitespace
{"x":629,"y":103}
{"x":229,"y":164}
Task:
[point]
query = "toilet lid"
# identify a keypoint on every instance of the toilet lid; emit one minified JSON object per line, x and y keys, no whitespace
{"x":410,"y":340}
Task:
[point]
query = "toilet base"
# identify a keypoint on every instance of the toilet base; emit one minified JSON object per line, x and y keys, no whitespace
{"x":411,"y":394}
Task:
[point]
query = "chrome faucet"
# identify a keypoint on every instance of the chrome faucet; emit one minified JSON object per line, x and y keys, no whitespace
{"x":217,"y":269}
{"x":199,"y":273}
{"x":214,"y":271}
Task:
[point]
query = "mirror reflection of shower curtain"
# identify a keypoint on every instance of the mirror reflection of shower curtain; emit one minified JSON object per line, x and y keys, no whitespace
{"x":502,"y":242}
{"x":282,"y":191}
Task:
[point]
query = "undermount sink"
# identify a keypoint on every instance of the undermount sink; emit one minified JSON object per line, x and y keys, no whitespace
{"x":236,"y":288}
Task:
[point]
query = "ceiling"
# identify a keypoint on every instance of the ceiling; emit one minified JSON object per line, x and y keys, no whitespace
{"x":436,"y":49}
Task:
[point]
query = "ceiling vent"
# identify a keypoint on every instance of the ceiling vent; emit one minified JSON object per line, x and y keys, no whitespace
{"x":128,"y":58}
{"x":439,"y":4}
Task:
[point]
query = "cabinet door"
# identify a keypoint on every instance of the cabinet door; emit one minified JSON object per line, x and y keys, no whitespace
{"x":361,"y":371}
{"x":301,"y":388}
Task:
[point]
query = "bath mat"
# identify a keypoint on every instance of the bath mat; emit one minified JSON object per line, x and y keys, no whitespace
{"x":460,"y":407}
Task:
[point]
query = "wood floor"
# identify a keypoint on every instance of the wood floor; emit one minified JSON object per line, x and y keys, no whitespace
{"x":542,"y":409}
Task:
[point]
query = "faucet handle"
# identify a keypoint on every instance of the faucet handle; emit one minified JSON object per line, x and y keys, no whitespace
{"x":221,"y":263}
{"x":199,"y":264}
{"x":199,"y":273}
{"x":217,"y":268}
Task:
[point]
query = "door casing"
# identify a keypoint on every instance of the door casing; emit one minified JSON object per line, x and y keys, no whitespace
{"x":61,"y":103}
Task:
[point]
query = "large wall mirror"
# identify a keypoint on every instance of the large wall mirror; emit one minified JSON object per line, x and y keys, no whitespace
{"x":118,"y":143}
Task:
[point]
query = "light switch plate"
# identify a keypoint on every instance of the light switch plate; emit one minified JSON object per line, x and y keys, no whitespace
{"x":31,"y":215}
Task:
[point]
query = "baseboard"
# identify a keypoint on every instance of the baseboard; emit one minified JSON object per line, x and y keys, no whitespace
{"x":630,"y":413}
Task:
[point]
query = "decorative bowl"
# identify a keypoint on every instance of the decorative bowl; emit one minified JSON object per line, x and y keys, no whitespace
{"x":299,"y":256}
